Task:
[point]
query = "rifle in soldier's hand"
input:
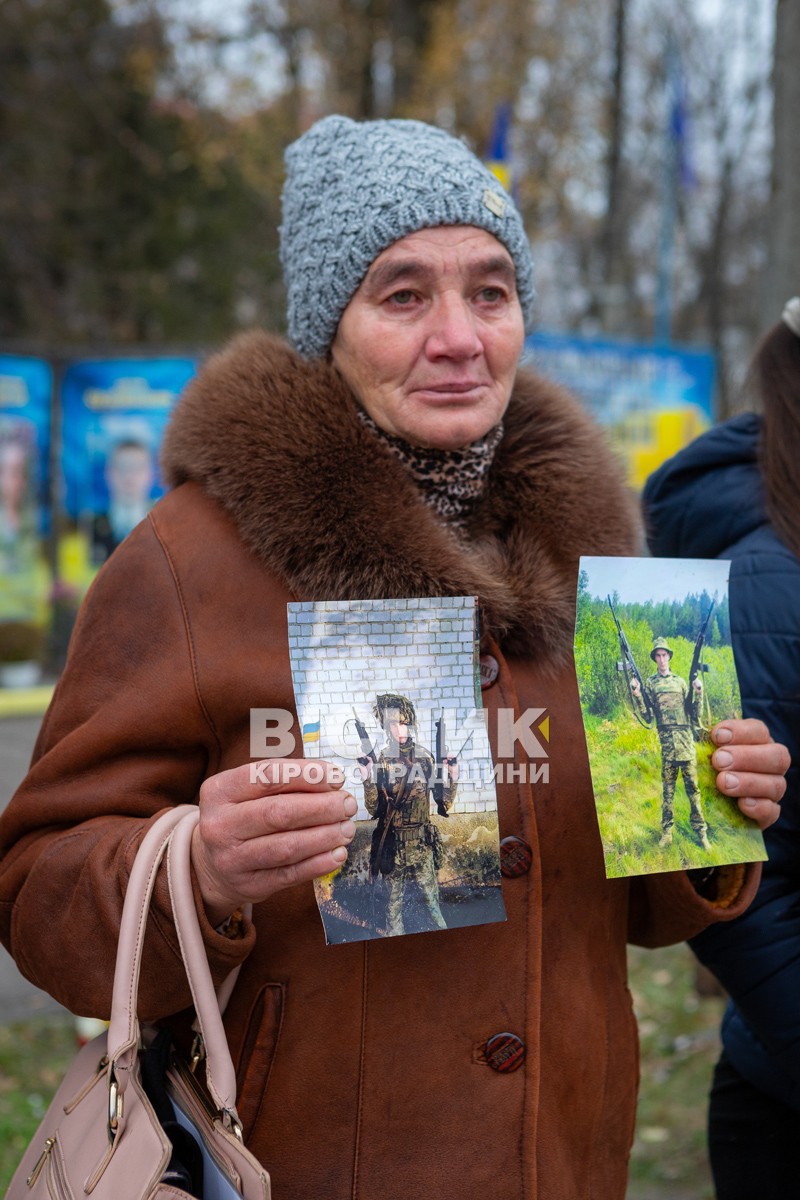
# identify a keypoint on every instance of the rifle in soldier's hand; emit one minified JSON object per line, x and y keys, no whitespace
{"x":369,"y":759}
{"x":698,"y":668}
{"x":443,"y":761}
{"x":627,"y":667}
{"x":368,"y":755}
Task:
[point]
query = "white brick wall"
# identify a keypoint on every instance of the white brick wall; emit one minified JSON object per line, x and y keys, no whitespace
{"x":345,"y":653}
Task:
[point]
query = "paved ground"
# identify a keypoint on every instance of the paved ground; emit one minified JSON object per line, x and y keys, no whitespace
{"x":18,"y":998}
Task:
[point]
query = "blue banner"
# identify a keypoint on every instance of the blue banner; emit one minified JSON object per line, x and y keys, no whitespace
{"x":652,"y":399}
{"x":26,"y":386}
{"x":114,"y":415}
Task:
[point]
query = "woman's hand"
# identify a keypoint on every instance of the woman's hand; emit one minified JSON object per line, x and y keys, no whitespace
{"x":266,"y":826}
{"x":750,"y":767}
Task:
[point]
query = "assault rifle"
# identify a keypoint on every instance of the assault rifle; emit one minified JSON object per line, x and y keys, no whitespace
{"x":442,"y":759}
{"x":368,"y":758}
{"x":367,"y":751}
{"x":389,"y":813}
{"x":698,"y":667}
{"x":627,"y":667}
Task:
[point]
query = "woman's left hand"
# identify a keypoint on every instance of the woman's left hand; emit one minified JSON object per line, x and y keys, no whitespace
{"x":750,"y":768}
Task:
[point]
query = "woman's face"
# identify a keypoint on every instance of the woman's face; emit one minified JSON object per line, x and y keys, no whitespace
{"x":431,"y":340}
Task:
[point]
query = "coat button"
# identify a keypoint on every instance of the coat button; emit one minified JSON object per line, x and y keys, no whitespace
{"x":490,"y":669}
{"x":516,"y":857}
{"x":505,"y":1052}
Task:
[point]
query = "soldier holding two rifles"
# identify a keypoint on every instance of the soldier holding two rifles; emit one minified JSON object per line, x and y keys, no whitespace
{"x":406,"y":846}
{"x":677,"y":710}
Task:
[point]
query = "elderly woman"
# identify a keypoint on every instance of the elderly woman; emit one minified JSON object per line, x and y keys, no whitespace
{"x":395,"y":451}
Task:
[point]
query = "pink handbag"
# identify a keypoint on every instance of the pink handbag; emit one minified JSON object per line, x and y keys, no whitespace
{"x":100,"y":1136}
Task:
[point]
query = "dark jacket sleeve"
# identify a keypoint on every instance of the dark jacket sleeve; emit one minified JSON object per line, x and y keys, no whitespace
{"x":757,"y":959}
{"x":125,"y":737}
{"x":708,"y":495}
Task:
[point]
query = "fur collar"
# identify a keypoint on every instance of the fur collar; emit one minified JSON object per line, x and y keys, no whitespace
{"x":274,"y":439}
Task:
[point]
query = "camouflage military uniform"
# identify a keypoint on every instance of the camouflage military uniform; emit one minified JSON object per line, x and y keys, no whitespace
{"x":667,"y":696}
{"x":405,"y":779}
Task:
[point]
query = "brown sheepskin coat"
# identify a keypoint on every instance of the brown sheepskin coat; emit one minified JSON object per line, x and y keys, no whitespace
{"x":362,"y":1067}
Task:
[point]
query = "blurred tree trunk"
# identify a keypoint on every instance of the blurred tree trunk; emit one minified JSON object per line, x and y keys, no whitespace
{"x":612,"y":286}
{"x":783,"y":271}
{"x":127,"y":210}
{"x":409,"y":30}
{"x":714,"y":283}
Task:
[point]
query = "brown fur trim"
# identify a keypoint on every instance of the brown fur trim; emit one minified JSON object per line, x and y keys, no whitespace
{"x":274,"y":439}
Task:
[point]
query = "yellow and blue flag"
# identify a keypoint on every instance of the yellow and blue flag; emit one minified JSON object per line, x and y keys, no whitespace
{"x":311,"y":732}
{"x":498,"y":158}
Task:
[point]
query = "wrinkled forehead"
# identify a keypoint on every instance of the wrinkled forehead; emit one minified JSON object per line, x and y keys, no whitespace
{"x":438,"y":252}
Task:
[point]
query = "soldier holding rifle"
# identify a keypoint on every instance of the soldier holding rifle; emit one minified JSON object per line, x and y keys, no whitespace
{"x":676,"y":706}
{"x":406,"y":845}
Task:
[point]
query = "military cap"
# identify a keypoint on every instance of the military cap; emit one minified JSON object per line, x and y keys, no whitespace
{"x":660,"y":644}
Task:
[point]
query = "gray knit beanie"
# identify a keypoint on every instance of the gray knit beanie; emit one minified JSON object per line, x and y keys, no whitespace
{"x":354,"y":188}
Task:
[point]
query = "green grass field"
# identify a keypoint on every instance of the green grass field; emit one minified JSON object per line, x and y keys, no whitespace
{"x":626,"y":776}
{"x":34,"y":1056}
{"x":679,"y":1037}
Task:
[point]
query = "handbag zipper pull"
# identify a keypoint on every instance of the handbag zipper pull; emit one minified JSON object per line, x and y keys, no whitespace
{"x":42,"y":1159}
{"x":198,"y":1053}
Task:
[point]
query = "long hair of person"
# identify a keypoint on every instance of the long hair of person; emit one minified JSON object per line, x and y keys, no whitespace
{"x":775,"y":373}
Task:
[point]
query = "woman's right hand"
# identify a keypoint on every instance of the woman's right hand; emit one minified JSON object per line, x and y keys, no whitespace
{"x":265,"y":826}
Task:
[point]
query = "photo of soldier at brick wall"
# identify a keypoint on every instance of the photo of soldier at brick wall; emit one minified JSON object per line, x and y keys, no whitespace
{"x":656,"y":672}
{"x":387,"y":691}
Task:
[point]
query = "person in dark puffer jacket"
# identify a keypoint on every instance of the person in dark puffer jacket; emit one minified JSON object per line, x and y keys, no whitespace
{"x":735,"y":494}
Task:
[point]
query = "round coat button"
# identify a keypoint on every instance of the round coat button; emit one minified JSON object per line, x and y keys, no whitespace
{"x":505,"y":1052}
{"x":490,"y":669}
{"x":516,"y":857}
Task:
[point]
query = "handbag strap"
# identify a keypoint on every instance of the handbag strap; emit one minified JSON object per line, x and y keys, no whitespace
{"x":123,"y":1029}
{"x":220,"y":1074}
{"x":171,"y":832}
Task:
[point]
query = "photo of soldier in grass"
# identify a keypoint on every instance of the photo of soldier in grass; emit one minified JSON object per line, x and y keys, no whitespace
{"x":656,"y":672}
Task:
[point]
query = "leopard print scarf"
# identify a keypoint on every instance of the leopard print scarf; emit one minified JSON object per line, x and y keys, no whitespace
{"x":450,"y":481}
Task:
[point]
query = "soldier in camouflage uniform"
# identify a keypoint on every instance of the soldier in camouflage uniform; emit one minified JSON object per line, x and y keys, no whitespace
{"x":675,"y":715}
{"x":406,"y":846}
